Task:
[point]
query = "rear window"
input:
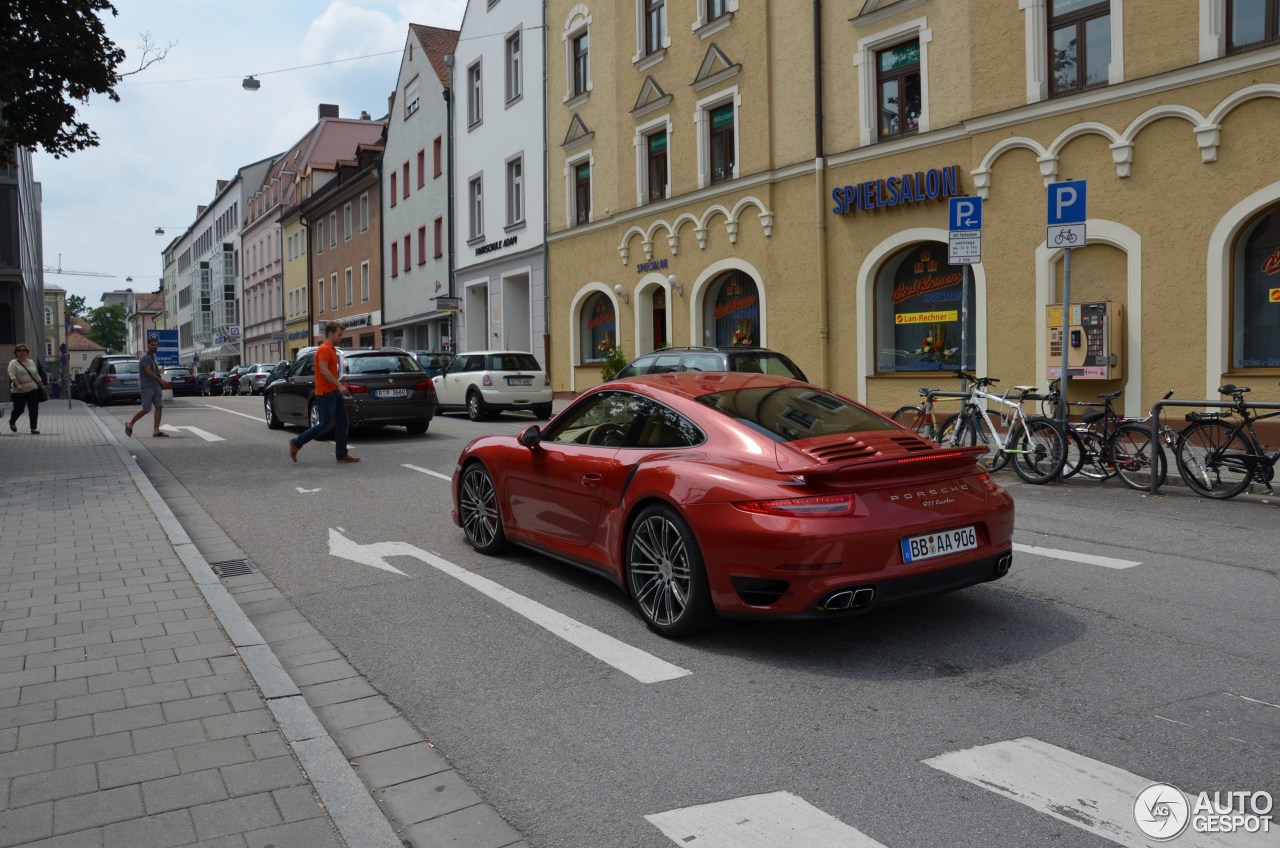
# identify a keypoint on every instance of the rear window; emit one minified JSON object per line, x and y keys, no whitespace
{"x":765,"y":363}
{"x":792,"y":413}
{"x":513,"y":362}
{"x":177,"y":372}
{"x":385,"y":363}
{"x":126,"y":367}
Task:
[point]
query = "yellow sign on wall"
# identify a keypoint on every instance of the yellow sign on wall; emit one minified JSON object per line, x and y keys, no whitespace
{"x":926,"y":317}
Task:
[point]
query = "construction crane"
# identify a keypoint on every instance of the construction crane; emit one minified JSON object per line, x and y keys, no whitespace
{"x":49,"y":269}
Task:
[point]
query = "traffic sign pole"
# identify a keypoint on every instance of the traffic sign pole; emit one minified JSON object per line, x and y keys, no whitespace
{"x":1066,"y":227}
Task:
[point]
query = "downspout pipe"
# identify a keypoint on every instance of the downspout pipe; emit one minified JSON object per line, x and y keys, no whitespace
{"x":448,"y":99}
{"x":820,"y":206}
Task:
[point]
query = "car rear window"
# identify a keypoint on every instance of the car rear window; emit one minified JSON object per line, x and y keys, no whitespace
{"x":177,"y":372}
{"x":129,"y":366}
{"x":765,"y":363}
{"x":513,"y":362}
{"x":792,"y":413}
{"x":382,"y":363}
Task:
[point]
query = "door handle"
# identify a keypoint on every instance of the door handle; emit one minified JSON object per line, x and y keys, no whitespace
{"x":592,"y":481}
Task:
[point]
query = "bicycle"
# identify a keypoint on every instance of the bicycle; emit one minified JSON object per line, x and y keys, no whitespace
{"x":1220,"y":460}
{"x":921,"y":419}
{"x":1120,"y":447}
{"x":1034,"y":445}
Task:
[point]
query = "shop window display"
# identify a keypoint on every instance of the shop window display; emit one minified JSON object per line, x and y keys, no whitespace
{"x":1255,"y":313}
{"x":918,"y":310}
{"x":734,"y":317}
{"x":599,"y":328}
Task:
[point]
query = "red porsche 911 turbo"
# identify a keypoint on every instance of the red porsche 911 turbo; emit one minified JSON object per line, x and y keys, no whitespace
{"x":734,"y":494}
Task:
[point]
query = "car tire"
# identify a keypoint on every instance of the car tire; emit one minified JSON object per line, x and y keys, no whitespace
{"x":417,"y":428}
{"x":542,"y":411}
{"x":478,"y":510}
{"x":476,"y":409}
{"x":677,"y":579}
{"x":269,"y":408}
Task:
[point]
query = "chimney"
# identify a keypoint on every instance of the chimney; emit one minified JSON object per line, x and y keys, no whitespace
{"x":364,"y":116}
{"x":391,"y":102}
{"x":328,"y":110}
{"x":221,"y":185}
{"x":200,"y":210}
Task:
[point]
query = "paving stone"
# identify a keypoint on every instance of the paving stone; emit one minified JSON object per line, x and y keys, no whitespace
{"x":235,"y":840}
{"x":239,"y":724}
{"x":298,"y":647}
{"x":338,"y":691}
{"x":8,"y":740}
{"x":206,"y":755}
{"x":322,"y":672}
{"x":51,"y":732}
{"x":209,"y":705}
{"x":26,"y":714}
{"x":97,"y":809}
{"x":69,"y":655}
{"x":267,"y":745}
{"x":25,"y":824}
{"x":300,"y":660}
{"x":238,"y":815}
{"x":174,"y":735}
{"x":168,"y":640}
{"x":312,"y":833}
{"x":183,"y":791}
{"x":163,"y":831}
{"x":181,"y":671}
{"x":399,"y":765}
{"x":356,"y":713}
{"x":197,"y":652}
{"x":130,"y":679}
{"x":94,"y":749}
{"x":130,"y":718}
{"x":245,"y":699}
{"x":298,"y":803}
{"x":53,"y":691}
{"x":87,"y":668}
{"x":475,"y":827}
{"x":379,"y":736}
{"x":262,"y":776}
{"x":147,"y":658}
{"x":427,"y":797}
{"x":137,"y":769}
{"x":51,"y":785}
{"x":26,"y":649}
{"x":91,"y":838}
{"x":15,"y":679}
{"x":112,"y":649}
{"x":228,"y":682}
{"x":156,"y":693}
{"x":90,"y":704}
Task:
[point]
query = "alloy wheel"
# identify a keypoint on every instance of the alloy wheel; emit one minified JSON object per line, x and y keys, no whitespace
{"x":478,"y":510}
{"x":659,"y":570}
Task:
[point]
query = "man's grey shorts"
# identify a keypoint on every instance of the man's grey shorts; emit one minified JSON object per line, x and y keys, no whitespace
{"x":152,"y":396}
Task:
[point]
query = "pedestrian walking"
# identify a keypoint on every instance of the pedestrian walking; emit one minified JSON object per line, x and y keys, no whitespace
{"x":152,"y":387}
{"x":331,"y":399}
{"x":27,"y":387}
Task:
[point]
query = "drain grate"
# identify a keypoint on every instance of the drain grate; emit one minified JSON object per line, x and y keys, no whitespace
{"x":232,"y":568}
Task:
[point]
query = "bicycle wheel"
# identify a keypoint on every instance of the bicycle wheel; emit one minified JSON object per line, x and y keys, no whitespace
{"x":1038,"y":451}
{"x":1215,"y":460}
{"x":1077,"y":455}
{"x":1135,"y":458}
{"x":1098,"y":464}
{"x":967,"y":430}
{"x":911,"y":417}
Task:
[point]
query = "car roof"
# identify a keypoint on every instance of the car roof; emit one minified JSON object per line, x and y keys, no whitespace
{"x":480,"y":352}
{"x":695,"y":384}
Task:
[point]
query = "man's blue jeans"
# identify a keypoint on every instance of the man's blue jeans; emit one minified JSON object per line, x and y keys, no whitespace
{"x":332,"y":408}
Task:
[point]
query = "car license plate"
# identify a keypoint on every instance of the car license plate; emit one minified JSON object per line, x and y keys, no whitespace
{"x":519,"y":381}
{"x":932,"y":545}
{"x":391,"y":393}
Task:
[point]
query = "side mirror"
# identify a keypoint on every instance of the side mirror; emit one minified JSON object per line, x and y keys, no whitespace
{"x":531,"y":437}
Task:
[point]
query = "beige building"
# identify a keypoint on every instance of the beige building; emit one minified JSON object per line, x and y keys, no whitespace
{"x":719,"y":176}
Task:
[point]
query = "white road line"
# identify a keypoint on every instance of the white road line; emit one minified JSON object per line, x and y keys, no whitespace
{"x":445,"y":477}
{"x":774,"y":820}
{"x":233,"y":412}
{"x":626,"y":658}
{"x":1080,"y":791}
{"x":1072,"y":556}
{"x":306,"y":491}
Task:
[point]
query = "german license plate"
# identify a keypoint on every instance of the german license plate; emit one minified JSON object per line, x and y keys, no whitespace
{"x":930,"y":545}
{"x":388,"y":393}
{"x":519,"y":381}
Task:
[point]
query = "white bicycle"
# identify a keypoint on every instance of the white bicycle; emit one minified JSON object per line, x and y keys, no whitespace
{"x":1034,"y":445}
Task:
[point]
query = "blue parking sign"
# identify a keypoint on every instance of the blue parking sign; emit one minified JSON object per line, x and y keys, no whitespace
{"x":964,"y":214}
{"x":1067,"y":202}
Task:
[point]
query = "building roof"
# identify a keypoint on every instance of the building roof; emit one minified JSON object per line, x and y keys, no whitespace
{"x":436,"y":42}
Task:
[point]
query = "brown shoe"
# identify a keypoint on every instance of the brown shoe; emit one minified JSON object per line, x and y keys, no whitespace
{"x":293,"y":451}
{"x":349,"y":458}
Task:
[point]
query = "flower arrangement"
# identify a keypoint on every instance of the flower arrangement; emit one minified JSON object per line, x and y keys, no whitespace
{"x":742,"y":334}
{"x":612,"y":358}
{"x":934,"y":347}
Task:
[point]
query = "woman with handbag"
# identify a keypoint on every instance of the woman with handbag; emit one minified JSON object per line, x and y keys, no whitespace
{"x":26,"y":387}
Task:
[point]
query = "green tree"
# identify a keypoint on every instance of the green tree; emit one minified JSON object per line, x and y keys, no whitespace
{"x":75,"y":305}
{"x":52,"y":56}
{"x":107,"y":326}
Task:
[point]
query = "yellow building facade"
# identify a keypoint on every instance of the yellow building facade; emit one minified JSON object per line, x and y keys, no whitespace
{"x":731,"y":172}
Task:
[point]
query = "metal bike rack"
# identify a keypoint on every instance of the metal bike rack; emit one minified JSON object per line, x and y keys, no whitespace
{"x":1219,"y":404}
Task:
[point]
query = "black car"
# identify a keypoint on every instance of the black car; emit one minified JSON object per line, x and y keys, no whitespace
{"x":184,"y":382}
{"x":387,"y":386}
{"x":212,"y":384}
{"x":231,"y":385}
{"x":756,"y":360}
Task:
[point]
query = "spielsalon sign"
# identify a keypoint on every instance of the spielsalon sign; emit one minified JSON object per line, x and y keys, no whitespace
{"x":933,"y":184}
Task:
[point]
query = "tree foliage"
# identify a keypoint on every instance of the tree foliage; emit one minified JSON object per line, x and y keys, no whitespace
{"x":107,"y":326}
{"x":75,"y":305}
{"x":54,"y":55}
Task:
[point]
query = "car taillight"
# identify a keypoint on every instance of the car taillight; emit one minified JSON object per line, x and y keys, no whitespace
{"x":110,"y":378}
{"x":425,"y":386}
{"x":488,"y":381}
{"x":987,"y":481}
{"x":820,"y":505}
{"x":546,"y":379}
{"x":354,"y":388}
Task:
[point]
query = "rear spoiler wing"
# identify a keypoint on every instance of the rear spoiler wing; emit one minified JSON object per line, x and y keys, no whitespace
{"x":958,"y":459}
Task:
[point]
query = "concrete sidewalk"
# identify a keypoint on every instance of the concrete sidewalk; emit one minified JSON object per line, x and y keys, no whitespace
{"x":141,"y":707}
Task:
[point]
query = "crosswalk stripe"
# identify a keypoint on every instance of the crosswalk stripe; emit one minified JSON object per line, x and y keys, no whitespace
{"x":1080,"y":791}
{"x":772,"y":820}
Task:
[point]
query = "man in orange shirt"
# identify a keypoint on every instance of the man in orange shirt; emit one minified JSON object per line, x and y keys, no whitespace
{"x":331,"y":400}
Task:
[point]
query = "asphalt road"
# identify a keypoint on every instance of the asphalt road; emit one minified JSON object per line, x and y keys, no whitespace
{"x":1153,"y":661}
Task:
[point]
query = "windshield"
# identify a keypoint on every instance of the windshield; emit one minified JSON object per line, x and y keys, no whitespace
{"x":791,"y":413}
{"x":382,"y":363}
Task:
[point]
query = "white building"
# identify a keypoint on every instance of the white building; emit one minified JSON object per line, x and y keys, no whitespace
{"x":498,"y":127}
{"x":415,"y":196}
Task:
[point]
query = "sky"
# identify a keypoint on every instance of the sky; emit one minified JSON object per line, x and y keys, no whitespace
{"x":186,"y":122}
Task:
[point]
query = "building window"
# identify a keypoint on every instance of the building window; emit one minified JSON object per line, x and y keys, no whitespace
{"x":422,"y":245}
{"x":333,"y":229}
{"x":333,"y":291}
{"x":395,"y":258}
{"x":347,"y":280}
{"x":716,"y":9}
{"x":655,"y":25}
{"x":437,"y":157}
{"x":655,"y":152}
{"x":439,"y":237}
{"x":394,"y":194}
{"x":582,"y":193}
{"x":475,"y":103}
{"x":515,"y":191}
{"x":1079,"y":44}
{"x":917,"y":283}
{"x":1252,"y":24}
{"x":515,"y":83}
{"x":422,"y":168}
{"x":48,"y":317}
{"x":599,"y":327}
{"x":1255,"y":321}
{"x":408,"y":254}
{"x":475,"y":193}
{"x":320,"y":236}
{"x":411,"y":97}
{"x":733,"y":319}
{"x":581,"y":64}
{"x":404,"y":181}
{"x":898,"y":89}
{"x":364,"y":212}
{"x":722,"y":147}
{"x":364,"y":282}
{"x":346,"y":222}
{"x":320,"y":294}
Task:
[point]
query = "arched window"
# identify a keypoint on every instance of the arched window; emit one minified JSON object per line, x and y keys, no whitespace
{"x":1255,"y":295}
{"x":734,"y":317}
{"x":48,"y":317}
{"x":599,"y":328}
{"x":918,"y":309}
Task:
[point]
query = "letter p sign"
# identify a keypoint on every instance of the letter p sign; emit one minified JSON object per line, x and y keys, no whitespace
{"x":1067,"y":202}
{"x":965,"y":214}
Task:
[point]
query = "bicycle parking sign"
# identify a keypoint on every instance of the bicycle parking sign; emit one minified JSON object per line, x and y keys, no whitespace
{"x":1066,"y":214}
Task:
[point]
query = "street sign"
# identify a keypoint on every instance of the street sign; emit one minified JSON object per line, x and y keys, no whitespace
{"x":167,"y":354}
{"x":964,"y":248}
{"x":964,"y":214}
{"x":448,"y":304}
{"x":1065,"y":235}
{"x":233,"y":331}
{"x":1067,"y":202}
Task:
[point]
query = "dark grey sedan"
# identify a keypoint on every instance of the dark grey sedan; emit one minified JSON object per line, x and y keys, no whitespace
{"x":387,"y":385}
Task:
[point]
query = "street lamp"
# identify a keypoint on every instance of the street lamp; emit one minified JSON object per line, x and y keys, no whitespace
{"x":250,"y":83}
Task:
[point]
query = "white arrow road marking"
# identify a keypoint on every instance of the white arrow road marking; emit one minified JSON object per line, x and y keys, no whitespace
{"x":1072,"y":556}
{"x":204,"y":434}
{"x":644,"y":667}
{"x":775,"y":820}
{"x":429,"y":471}
{"x":1089,"y":794}
{"x":306,"y":491}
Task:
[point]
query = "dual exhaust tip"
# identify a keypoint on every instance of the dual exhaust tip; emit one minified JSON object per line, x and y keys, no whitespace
{"x":1003,"y":565}
{"x":847,"y":599}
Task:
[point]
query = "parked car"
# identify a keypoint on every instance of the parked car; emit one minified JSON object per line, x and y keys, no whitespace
{"x":213,"y":383}
{"x":117,"y":381}
{"x":231,"y":385}
{"x":738,"y":494}
{"x":387,"y":387}
{"x":432,"y":361}
{"x":755,"y":360}
{"x":278,"y":371}
{"x":253,"y":378}
{"x":184,"y":382}
{"x":100,"y":367}
{"x":486,"y":382}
